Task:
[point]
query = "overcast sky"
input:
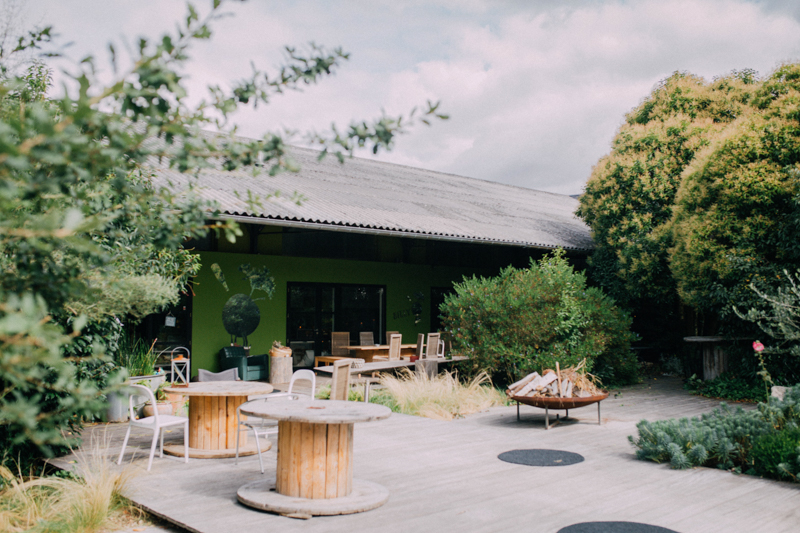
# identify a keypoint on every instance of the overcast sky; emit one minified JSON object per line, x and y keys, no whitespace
{"x":535,"y":89}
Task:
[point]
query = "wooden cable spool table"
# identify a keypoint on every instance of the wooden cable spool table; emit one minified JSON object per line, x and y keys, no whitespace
{"x":314,"y":473}
{"x":547,"y":403}
{"x":212,"y":418}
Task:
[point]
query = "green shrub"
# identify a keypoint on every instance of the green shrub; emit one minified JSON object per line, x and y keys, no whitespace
{"x":775,"y":455}
{"x":525,"y":320}
{"x":727,"y":438}
{"x":729,"y":387}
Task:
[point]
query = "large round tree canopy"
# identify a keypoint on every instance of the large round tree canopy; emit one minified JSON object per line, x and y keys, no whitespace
{"x":240,"y":316}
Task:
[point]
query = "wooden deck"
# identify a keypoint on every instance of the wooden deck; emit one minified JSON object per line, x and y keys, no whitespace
{"x":445,"y":476}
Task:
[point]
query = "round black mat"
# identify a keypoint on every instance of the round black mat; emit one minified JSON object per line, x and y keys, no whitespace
{"x":541,"y":457}
{"x":614,"y":527}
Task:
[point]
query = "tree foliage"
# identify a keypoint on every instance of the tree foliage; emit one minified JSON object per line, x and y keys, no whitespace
{"x":525,"y":320}
{"x":699,"y":195}
{"x":84,"y":233}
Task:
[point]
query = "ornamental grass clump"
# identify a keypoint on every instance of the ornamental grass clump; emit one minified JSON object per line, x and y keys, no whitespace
{"x":765,"y":441}
{"x":86,"y":503}
{"x":441,"y":397}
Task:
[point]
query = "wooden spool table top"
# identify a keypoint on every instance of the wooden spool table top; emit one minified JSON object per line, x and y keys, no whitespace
{"x":223,"y":388}
{"x":318,"y":411}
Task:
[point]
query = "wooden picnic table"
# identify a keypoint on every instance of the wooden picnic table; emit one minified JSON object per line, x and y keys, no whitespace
{"x":315,"y":459}
{"x":368,"y":352}
{"x":212,"y":418}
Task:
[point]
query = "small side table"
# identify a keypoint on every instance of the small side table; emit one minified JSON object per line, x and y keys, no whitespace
{"x":315,"y":459}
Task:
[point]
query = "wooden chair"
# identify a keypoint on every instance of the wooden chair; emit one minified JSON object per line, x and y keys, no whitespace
{"x":339,"y":342}
{"x":389,"y":335}
{"x":394,"y":347}
{"x":420,"y":345}
{"x":366,"y":338}
{"x":340,"y":379}
{"x":432,"y":349}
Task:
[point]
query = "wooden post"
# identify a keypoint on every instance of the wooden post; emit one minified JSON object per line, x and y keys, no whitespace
{"x":280,"y":369}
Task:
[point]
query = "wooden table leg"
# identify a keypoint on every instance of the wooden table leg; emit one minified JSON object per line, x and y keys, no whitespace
{"x":315,"y":460}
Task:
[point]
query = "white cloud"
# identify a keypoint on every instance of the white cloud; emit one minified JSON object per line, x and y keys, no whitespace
{"x":535,"y":90}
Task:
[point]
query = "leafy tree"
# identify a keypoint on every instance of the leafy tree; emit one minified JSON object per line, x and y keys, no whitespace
{"x":738,"y":211}
{"x":84,"y":233}
{"x":630,"y":196}
{"x":525,"y":320}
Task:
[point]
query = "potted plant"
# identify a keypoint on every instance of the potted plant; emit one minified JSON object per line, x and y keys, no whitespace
{"x":164,"y":406}
{"x":139,"y":361}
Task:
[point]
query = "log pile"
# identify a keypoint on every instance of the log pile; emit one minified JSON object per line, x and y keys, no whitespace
{"x":572,"y":382}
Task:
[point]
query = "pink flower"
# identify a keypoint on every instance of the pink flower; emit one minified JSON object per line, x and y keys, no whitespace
{"x":757,"y":346}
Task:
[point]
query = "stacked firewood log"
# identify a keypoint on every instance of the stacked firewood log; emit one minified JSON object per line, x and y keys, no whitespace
{"x":572,"y":382}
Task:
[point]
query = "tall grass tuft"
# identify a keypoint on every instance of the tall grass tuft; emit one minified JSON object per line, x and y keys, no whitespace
{"x":85,"y":503}
{"x":136,"y":356}
{"x":442,"y":397}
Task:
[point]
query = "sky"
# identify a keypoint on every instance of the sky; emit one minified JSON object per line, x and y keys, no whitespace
{"x":535,"y":90}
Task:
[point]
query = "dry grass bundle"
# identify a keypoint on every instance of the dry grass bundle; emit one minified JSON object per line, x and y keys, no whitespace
{"x":442,"y":397}
{"x":88,"y":503}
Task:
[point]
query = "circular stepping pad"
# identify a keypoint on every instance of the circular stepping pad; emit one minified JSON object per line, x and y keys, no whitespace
{"x":614,"y":527}
{"x":541,"y":457}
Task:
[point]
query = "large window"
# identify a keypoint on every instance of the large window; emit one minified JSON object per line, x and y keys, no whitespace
{"x":317,"y":309}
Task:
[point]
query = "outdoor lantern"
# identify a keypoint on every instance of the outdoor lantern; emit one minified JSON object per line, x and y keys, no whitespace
{"x":180,"y":367}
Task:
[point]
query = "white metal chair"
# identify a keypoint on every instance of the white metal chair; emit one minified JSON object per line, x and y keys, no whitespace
{"x":259,"y":425}
{"x":231,"y":374}
{"x":155,"y":424}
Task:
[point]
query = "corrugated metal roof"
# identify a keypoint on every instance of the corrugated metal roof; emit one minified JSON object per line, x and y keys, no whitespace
{"x":364,"y":195}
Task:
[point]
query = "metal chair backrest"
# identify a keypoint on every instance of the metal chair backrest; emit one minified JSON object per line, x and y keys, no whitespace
{"x":301,"y":375}
{"x":232,"y":374}
{"x":394,"y":347}
{"x":389,"y":336}
{"x":366,"y":338}
{"x":339,"y":341}
{"x":420,"y":344}
{"x":432,"y":349}
{"x":141,"y":390}
{"x":340,"y":380}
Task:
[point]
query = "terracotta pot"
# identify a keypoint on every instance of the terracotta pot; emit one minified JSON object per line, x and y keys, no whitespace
{"x":164,"y":408}
{"x":178,"y":402}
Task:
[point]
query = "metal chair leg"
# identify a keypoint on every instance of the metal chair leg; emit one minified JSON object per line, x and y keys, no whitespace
{"x":124,"y":443}
{"x":238,"y":429}
{"x":517,"y":411}
{"x":258,"y":450}
{"x":546,"y":418}
{"x":153,"y":449}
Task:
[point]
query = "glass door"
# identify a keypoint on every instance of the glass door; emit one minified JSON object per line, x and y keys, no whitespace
{"x":315,"y":310}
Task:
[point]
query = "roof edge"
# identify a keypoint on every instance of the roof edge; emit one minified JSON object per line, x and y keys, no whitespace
{"x":265,"y":221}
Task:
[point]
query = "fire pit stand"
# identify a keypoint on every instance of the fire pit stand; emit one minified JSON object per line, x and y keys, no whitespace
{"x":547,"y":403}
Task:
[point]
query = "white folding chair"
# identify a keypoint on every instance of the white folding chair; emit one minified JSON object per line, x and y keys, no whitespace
{"x":155,"y":424}
{"x":259,"y":425}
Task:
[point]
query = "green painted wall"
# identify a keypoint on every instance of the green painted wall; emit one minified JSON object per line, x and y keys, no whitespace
{"x":401,"y":280}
